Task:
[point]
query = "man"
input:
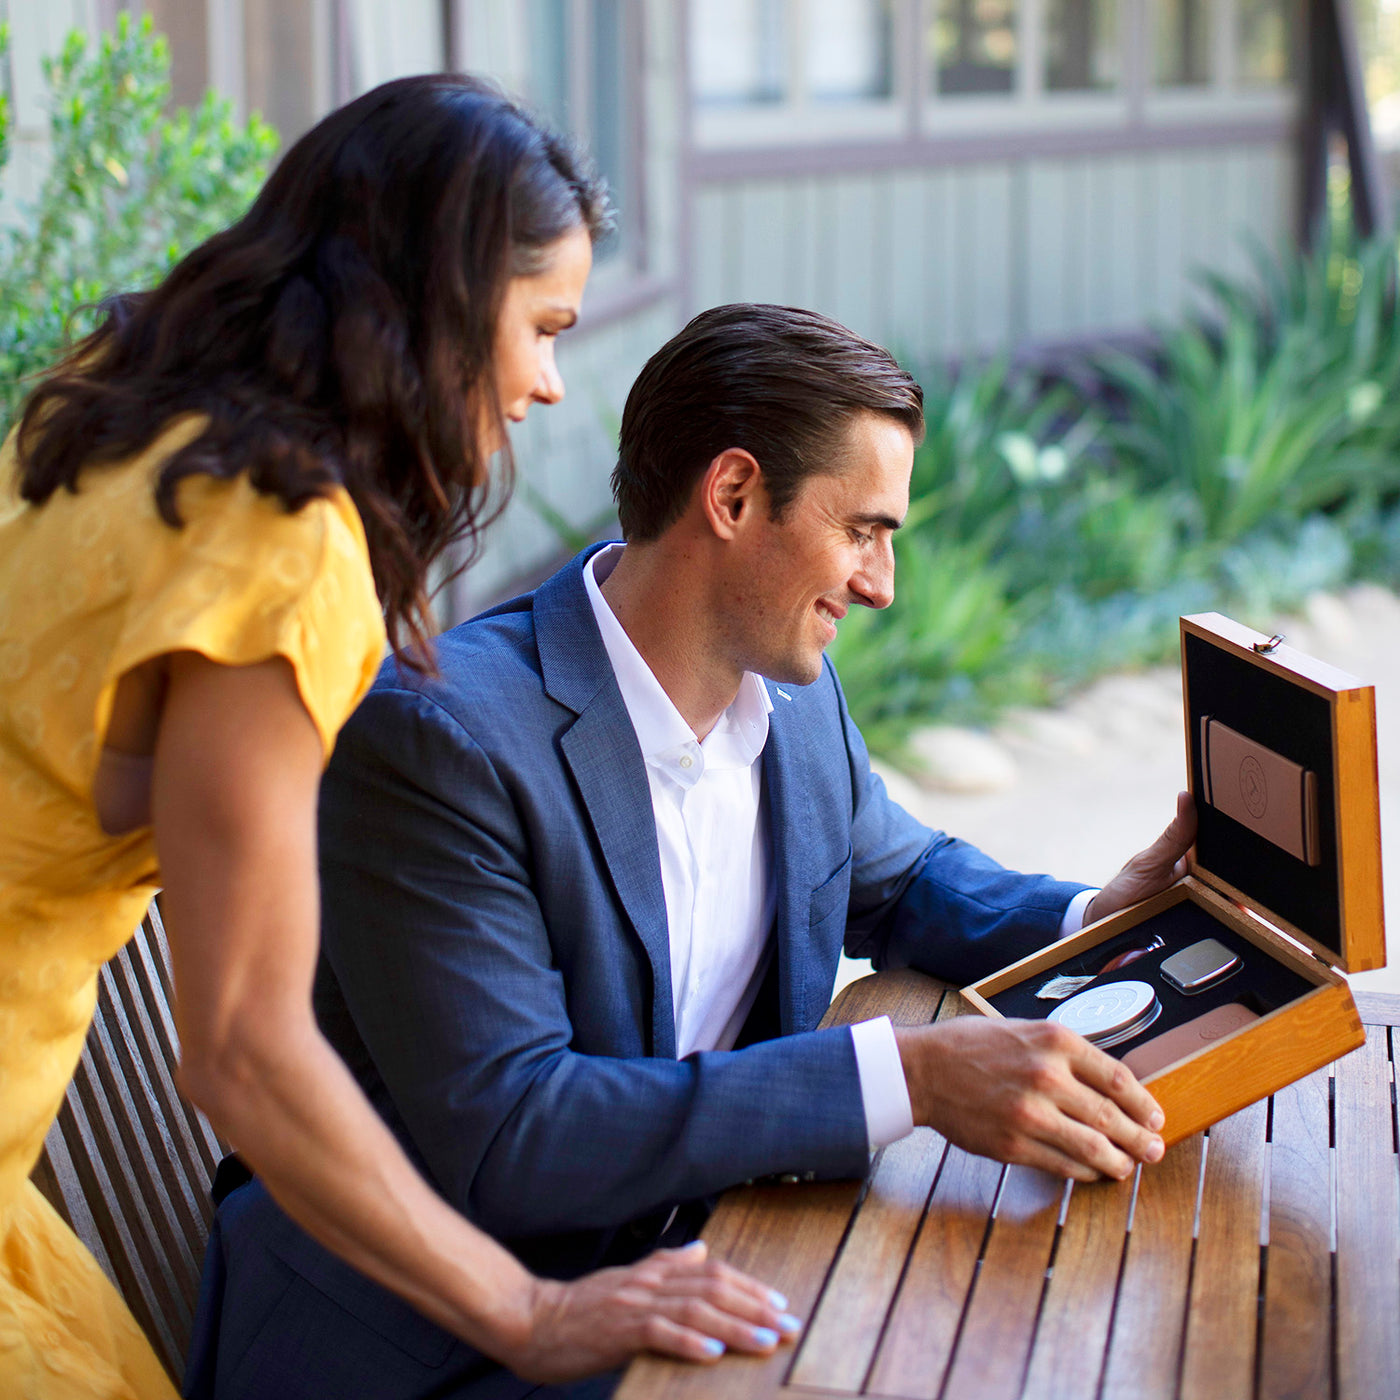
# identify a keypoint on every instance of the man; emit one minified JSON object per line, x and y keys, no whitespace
{"x":586,"y":890}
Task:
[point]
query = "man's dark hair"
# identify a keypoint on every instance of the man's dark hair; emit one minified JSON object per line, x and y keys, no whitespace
{"x":777,"y":381}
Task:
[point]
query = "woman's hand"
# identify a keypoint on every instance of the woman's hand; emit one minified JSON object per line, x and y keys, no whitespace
{"x":676,"y":1301}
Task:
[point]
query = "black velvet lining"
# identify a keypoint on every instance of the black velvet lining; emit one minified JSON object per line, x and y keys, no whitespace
{"x":1262,"y":983}
{"x":1293,"y":722}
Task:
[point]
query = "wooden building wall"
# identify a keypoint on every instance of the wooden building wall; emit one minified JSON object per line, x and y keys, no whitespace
{"x":939,"y":247}
{"x":986,"y":255}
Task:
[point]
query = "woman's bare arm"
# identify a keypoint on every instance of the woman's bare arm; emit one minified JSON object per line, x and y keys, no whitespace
{"x":237,"y":770}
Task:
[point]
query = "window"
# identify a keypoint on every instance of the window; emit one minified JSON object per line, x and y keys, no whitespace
{"x":1081,"y":46}
{"x":1022,"y":50}
{"x":576,"y":74}
{"x":975,"y":46}
{"x":1262,"y":43}
{"x":785,"y":72}
{"x":1183,"y":43}
{"x":739,"y":52}
{"x":1234,"y":48}
{"x":792,"y":69}
{"x":848,"y":51}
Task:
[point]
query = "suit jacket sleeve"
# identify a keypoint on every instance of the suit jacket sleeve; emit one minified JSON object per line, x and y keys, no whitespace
{"x":443,"y":958}
{"x":924,"y":899}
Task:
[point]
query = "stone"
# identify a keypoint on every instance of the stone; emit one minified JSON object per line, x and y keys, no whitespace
{"x":1050,"y":731}
{"x":1331,"y":621}
{"x":953,"y":759}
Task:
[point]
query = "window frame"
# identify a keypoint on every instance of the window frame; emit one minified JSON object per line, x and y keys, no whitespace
{"x":797,"y":119}
{"x":917,"y":112}
{"x":1223,"y":97}
{"x":495,"y":39}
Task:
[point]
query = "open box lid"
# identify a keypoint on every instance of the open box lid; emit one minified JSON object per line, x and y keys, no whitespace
{"x":1280,"y":743}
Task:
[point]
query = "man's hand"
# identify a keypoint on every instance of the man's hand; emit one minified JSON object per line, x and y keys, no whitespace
{"x":1030,"y":1092}
{"x":1149,"y":872}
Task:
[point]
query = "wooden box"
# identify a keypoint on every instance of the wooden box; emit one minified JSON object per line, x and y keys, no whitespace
{"x":1292,"y":916}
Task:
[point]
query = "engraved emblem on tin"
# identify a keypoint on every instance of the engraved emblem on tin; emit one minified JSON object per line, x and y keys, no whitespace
{"x":1110,"y":1013}
{"x":1254,"y":787}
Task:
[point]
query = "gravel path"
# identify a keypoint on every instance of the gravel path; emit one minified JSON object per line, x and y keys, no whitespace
{"x":1097,"y":780}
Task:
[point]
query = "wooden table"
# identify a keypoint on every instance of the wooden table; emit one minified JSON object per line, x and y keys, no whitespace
{"x":1261,"y":1258}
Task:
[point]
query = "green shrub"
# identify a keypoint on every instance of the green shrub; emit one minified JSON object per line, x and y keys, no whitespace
{"x":130,"y":188}
{"x":1284,"y":400}
{"x":1252,"y":457}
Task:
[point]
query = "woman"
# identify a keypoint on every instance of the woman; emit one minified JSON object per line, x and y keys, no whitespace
{"x":209,"y":505}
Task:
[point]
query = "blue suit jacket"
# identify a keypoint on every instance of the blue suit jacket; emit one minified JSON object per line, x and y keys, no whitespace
{"x":495,"y":952}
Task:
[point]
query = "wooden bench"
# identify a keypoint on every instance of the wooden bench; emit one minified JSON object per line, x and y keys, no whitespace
{"x":128,"y":1163}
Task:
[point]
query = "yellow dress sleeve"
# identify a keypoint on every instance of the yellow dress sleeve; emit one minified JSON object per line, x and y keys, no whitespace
{"x":245,"y":580}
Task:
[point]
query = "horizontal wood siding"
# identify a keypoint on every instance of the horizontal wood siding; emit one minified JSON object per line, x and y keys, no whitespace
{"x":979,"y":257}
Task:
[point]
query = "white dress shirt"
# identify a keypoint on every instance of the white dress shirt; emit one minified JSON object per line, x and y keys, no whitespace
{"x":716,"y":873}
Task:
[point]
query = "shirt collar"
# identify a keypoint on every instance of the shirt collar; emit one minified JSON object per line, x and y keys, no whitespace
{"x":741,"y":731}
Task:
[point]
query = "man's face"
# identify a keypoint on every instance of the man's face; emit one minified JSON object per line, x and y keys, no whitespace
{"x":833,"y":547}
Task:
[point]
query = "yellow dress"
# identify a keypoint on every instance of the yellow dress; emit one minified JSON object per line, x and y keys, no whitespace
{"x":91,"y":585}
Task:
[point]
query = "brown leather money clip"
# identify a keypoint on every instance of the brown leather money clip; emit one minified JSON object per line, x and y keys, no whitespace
{"x":1270,"y":794}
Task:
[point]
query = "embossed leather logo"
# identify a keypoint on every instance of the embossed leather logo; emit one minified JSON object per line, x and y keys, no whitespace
{"x":1254,"y":787}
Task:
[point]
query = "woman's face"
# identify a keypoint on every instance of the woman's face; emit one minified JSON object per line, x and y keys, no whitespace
{"x":536,"y":308}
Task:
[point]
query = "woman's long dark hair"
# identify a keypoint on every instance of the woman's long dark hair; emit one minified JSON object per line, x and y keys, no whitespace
{"x":341,"y":332}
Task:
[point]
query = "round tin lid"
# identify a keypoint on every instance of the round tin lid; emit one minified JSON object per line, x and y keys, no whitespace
{"x":1109,"y":1014}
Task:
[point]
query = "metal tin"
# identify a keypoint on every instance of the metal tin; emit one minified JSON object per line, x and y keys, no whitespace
{"x":1110,"y":1013}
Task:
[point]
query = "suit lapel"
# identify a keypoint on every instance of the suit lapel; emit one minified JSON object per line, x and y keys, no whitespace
{"x":601,"y":751}
{"x":791,"y":821}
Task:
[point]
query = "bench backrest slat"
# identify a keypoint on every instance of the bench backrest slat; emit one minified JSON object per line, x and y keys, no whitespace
{"x":129,"y":1162}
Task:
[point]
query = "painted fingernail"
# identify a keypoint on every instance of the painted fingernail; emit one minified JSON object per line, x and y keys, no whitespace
{"x":714,"y":1346}
{"x":765,"y":1337}
{"x":789,"y":1324}
{"x":777,"y":1300}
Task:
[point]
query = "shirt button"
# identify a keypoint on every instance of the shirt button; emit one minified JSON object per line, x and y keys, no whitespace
{"x":687,"y":761}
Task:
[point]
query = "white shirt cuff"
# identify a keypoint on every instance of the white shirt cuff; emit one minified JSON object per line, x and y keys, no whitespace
{"x":888,"y":1113}
{"x":1073,"y":920}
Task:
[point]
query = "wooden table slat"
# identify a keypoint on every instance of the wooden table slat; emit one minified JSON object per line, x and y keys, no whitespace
{"x":908,"y":998}
{"x":1078,"y":1306}
{"x":924,"y":1322}
{"x":955,"y":1303}
{"x":785,"y":1235}
{"x":1000,"y":1321}
{"x":1148,"y":1321}
{"x":1295,"y":1344}
{"x":1368,"y":1225}
{"x":1222,"y":1318}
{"x":1378,"y":1008}
{"x":843,"y":1332}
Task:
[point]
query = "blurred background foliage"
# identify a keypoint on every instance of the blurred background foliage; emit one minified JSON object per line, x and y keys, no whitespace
{"x":1239,"y":460}
{"x":1060,"y":521}
{"x":132,"y":186}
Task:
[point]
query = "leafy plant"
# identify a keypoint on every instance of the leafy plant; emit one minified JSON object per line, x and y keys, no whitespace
{"x":1283,"y":404}
{"x":1251,"y":458}
{"x":4,"y":100}
{"x":994,"y":440}
{"x":130,"y":188}
{"x":947,"y":634}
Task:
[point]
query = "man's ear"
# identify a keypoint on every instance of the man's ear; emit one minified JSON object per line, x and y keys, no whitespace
{"x":730,"y":490}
